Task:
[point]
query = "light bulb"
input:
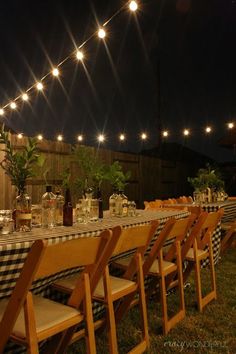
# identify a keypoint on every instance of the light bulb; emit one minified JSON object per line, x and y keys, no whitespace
{"x":20,"y":136}
{"x":13,"y":105}
{"x":25,"y":97}
{"x":230,"y":125}
{"x":60,"y":138}
{"x":143,"y":136}
{"x":186,"y":132}
{"x":55,"y":72}
{"x":165,"y":133}
{"x":40,"y":137}
{"x":101,"y":33}
{"x":1,"y":111}
{"x":101,"y":138}
{"x":133,"y":6}
{"x":208,"y":130}
{"x":39,"y":86}
{"x":80,"y":137}
{"x":122,"y":137}
{"x":79,"y":55}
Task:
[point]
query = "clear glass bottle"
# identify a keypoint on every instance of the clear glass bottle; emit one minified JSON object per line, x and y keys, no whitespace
{"x":112,"y":203}
{"x":22,"y":212}
{"x":48,"y":208}
{"x":67,"y":209}
{"x":59,"y":208}
{"x":100,"y":204}
{"x":119,"y":201}
{"x":124,"y":204}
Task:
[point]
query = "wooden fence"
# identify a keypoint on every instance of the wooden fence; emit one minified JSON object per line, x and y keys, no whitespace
{"x":150,"y":177}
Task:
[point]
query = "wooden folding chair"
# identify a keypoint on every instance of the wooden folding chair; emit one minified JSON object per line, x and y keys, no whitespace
{"x":112,"y":288}
{"x":28,"y":319}
{"x":201,"y":250}
{"x":229,"y":230}
{"x":156,"y":266}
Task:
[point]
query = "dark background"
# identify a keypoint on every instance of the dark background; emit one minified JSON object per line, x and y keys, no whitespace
{"x":170,"y":66}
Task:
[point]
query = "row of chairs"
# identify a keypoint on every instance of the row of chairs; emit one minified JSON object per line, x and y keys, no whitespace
{"x":29,"y":319}
{"x":162,"y":203}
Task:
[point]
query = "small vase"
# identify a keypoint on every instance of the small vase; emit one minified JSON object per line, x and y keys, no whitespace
{"x":23,"y":214}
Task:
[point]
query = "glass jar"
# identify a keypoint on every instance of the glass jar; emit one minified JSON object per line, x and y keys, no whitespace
{"x":59,"y":208}
{"x":112,"y":203}
{"x":6,"y":222}
{"x":22,"y":212}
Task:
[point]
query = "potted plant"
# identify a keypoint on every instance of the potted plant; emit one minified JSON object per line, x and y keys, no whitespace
{"x":19,"y":166}
{"x":208,"y":182}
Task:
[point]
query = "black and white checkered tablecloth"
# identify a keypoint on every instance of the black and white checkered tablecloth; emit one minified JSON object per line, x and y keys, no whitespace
{"x":15,"y":247}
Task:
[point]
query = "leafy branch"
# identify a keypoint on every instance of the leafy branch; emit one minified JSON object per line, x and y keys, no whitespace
{"x":19,"y":165}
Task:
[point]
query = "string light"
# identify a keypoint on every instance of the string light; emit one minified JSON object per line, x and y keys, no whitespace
{"x":230,"y":125}
{"x":133,"y":6}
{"x":208,"y":130}
{"x":1,"y":111}
{"x":186,"y":132}
{"x":25,"y":97}
{"x":165,"y":133}
{"x":40,"y":137}
{"x":55,"y":72}
{"x":101,"y":33}
{"x":143,"y":136}
{"x":59,"y":137}
{"x":80,"y":138}
{"x":20,"y":136}
{"x":13,"y":105}
{"x":101,"y":138}
{"x":79,"y":55}
{"x":122,"y":137}
{"x":39,"y":86}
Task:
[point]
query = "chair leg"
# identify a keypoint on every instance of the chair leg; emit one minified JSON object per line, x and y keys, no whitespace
{"x":164,"y":304}
{"x":180,"y":281}
{"x":113,"y":346}
{"x":30,"y":325}
{"x":142,"y":303}
{"x":198,"y":284}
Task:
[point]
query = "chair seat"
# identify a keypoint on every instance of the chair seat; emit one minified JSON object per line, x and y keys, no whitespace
{"x":200,"y":254}
{"x":67,"y":283}
{"x":167,"y":266}
{"x":117,"y":285}
{"x":47,"y":315}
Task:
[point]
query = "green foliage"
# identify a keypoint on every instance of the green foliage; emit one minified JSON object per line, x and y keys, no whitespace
{"x":116,"y":176}
{"x":208,"y":177}
{"x":19,"y":165}
{"x":92,"y":169}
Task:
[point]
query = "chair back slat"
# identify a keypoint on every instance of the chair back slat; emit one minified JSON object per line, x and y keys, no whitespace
{"x":209,"y":227}
{"x":69,"y":254}
{"x":179,"y":232}
{"x":135,"y":237}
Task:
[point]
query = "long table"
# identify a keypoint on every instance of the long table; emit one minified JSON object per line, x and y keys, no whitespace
{"x":15,"y":247}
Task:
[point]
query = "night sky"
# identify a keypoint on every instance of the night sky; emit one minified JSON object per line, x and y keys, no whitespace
{"x":170,"y":66}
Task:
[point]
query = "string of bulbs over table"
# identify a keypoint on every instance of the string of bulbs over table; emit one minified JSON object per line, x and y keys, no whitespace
{"x":55,"y":72}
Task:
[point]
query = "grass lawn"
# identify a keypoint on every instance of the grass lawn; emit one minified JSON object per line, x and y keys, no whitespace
{"x":214,"y":331}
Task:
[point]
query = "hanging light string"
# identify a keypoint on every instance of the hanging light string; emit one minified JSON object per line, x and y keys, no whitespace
{"x":133,"y":6}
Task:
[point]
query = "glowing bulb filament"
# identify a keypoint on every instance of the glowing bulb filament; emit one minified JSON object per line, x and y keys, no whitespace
{"x":143,"y":136}
{"x":230,"y":125}
{"x":40,"y":137}
{"x":20,"y":136}
{"x":80,"y":137}
{"x":208,"y":130}
{"x":165,"y":133}
{"x":122,"y":137}
{"x":101,"y":138}
{"x":60,"y":138}
{"x":1,"y":111}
